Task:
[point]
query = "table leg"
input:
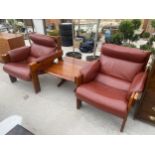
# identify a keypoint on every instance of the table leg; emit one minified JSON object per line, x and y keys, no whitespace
{"x":61,"y":82}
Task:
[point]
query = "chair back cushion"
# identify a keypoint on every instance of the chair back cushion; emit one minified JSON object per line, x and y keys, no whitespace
{"x":125,"y":53}
{"x":42,"y":45}
{"x":122,"y":62}
{"x":113,"y":82}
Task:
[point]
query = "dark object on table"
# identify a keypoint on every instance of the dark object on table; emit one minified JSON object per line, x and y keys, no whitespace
{"x":66,"y":34}
{"x":113,"y":82}
{"x":92,"y":57}
{"x":146,"y":108}
{"x":28,"y":61}
{"x":87,"y":46}
{"x":19,"y":130}
{"x":73,"y":54}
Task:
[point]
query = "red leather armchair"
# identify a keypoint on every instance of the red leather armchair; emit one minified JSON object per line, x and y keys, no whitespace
{"x":27,"y":62}
{"x":112,"y":82}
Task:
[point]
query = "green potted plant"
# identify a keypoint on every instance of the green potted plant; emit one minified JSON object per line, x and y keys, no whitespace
{"x":17,"y":26}
{"x":136,"y":23}
{"x":146,"y":35}
{"x":53,"y":32}
{"x":145,"y":47}
{"x":130,"y":45}
{"x":127,"y":28}
{"x":153,"y":50}
{"x":151,"y":40}
{"x":135,"y":37}
{"x":153,"y":23}
{"x":117,"y":38}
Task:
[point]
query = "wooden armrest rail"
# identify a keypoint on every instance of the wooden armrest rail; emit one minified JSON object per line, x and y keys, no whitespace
{"x":134,"y":97}
{"x":6,"y":58}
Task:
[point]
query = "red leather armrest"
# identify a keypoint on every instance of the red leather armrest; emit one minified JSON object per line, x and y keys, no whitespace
{"x":90,"y":71}
{"x":138,"y":83}
{"x":19,"y":54}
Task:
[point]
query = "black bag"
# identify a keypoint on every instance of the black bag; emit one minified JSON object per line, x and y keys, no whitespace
{"x":87,"y":46}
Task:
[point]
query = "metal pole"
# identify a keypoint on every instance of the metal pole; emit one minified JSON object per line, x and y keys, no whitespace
{"x":73,"y":35}
{"x":27,"y":31}
{"x":96,"y":36}
{"x":44,"y":26}
{"x":78,"y":27}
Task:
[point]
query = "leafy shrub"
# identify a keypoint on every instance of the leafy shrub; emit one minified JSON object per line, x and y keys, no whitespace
{"x":136,"y":23}
{"x":117,"y":38}
{"x":145,"y":47}
{"x":151,"y":40}
{"x":146,"y":35}
{"x":82,"y":31}
{"x":130,"y":45}
{"x":152,"y":50}
{"x":127,"y":28}
{"x":153,"y":23}
{"x":135,"y":37}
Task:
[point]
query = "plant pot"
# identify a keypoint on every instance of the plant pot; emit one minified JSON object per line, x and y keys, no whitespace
{"x":76,"y":55}
{"x":92,"y":58}
{"x":67,"y":41}
{"x":65,"y":26}
{"x":66,"y":33}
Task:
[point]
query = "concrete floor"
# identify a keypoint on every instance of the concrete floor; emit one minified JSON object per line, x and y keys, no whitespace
{"x":53,"y":110}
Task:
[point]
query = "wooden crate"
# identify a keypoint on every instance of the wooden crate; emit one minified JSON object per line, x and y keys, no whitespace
{"x":10,"y":41}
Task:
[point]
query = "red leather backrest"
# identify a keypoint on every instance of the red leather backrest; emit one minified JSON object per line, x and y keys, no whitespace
{"x":122,"y":62}
{"x":125,"y":53}
{"x":42,"y":40}
{"x":122,"y":69}
{"x":39,"y":50}
{"x":42,"y":45}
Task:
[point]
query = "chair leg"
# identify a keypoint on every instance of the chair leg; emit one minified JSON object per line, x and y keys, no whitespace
{"x":78,"y":103}
{"x":36,"y":83}
{"x":12,"y":79}
{"x":61,"y":82}
{"x":123,"y":124}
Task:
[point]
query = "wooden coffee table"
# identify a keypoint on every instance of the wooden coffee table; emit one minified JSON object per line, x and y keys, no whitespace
{"x":68,"y":69}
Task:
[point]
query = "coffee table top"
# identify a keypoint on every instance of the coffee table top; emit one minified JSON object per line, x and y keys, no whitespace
{"x":67,"y":69}
{"x":8,"y":36}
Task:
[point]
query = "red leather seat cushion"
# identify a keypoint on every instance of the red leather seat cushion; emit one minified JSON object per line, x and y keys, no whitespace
{"x":104,"y":97}
{"x":20,"y":70}
{"x":39,"y":50}
{"x":113,"y":82}
{"x":31,"y":59}
{"x":123,"y":69}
